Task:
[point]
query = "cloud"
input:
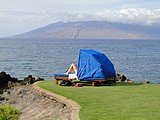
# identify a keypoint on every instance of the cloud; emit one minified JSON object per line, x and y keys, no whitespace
{"x":22,"y":21}
{"x":131,"y":15}
{"x":128,"y":15}
{"x":125,"y":15}
{"x":23,"y":16}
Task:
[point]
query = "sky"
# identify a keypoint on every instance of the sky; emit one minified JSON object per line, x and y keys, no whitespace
{"x":19,"y":16}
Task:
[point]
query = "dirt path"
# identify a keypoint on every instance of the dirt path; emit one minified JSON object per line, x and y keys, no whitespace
{"x":74,"y":106}
{"x":35,"y":105}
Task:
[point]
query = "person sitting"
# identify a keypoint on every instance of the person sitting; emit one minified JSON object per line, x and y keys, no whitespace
{"x":72,"y":72}
{"x":72,"y":69}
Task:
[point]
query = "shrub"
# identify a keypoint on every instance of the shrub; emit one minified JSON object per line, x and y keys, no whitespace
{"x":8,"y":112}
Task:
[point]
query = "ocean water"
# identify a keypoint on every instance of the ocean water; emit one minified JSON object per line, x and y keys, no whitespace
{"x":139,"y":60}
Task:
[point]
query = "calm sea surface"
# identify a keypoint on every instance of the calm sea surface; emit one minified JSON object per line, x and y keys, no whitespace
{"x":139,"y":60}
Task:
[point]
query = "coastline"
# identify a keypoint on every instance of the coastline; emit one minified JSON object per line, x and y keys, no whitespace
{"x":75,"y":108}
{"x":34,"y":105}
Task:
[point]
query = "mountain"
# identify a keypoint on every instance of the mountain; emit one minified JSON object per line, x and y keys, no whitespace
{"x":93,"y":30}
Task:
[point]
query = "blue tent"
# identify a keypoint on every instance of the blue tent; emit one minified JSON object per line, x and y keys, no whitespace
{"x":93,"y":65}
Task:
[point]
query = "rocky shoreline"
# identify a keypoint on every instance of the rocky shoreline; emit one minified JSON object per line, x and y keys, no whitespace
{"x":33,"y":105}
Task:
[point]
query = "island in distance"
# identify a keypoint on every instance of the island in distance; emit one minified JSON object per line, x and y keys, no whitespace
{"x":93,"y":30}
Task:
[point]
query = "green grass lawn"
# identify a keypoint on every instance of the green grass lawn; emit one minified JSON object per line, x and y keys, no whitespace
{"x":119,"y":102}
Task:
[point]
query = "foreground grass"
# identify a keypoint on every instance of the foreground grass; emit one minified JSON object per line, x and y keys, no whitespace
{"x":8,"y":112}
{"x":119,"y":102}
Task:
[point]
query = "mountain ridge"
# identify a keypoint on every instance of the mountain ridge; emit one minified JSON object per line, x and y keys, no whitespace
{"x":92,"y":30}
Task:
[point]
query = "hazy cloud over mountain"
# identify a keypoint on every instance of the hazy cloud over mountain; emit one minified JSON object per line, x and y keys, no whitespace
{"x":19,"y":16}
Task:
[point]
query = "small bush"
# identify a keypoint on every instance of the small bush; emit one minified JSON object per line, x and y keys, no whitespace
{"x":8,"y":112}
